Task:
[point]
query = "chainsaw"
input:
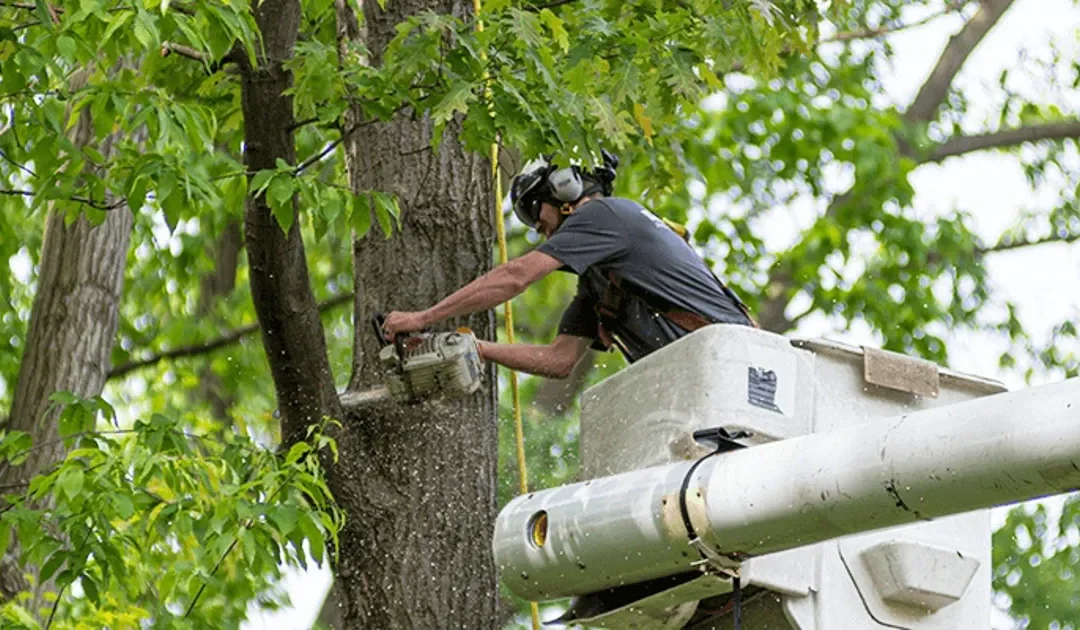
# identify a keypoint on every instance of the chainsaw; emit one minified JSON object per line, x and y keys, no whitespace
{"x":424,"y":365}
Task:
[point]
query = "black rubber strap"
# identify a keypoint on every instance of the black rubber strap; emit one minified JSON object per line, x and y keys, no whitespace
{"x":724,"y":442}
{"x":690,"y":533}
{"x":736,"y":606}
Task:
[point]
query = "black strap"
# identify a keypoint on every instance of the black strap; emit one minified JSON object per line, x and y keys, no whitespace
{"x":736,"y":607}
{"x":691,"y":534}
{"x":722,"y":442}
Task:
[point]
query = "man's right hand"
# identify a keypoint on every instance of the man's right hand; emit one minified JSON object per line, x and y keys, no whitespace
{"x":398,"y":322}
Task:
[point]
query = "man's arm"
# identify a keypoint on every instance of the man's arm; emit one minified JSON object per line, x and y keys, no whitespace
{"x":499,"y":285}
{"x":554,"y":360}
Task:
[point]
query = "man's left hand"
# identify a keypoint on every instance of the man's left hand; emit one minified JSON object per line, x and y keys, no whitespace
{"x":398,"y":322}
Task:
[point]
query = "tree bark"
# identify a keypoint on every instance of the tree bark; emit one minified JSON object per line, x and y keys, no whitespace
{"x":1005,"y":138}
{"x":936,"y":87}
{"x":421,"y":502}
{"x":73,"y":323}
{"x":281,"y":290}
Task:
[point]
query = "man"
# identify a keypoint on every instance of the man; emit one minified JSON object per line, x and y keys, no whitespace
{"x":640,"y":286}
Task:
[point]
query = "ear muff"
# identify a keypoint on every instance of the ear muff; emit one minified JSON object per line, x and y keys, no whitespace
{"x":566,"y":185}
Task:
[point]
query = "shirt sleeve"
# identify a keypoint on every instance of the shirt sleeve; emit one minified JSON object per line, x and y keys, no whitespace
{"x":579,"y":319}
{"x":590,"y":236}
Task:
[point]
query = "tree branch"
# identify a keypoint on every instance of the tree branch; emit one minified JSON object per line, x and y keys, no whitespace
{"x":961,"y":145}
{"x":168,"y":48}
{"x":550,"y":5}
{"x":228,"y":339}
{"x":1006,"y":245}
{"x":925,"y":106}
{"x":83,"y":200}
{"x":923,"y":109}
{"x":320,"y":155}
{"x":871,"y":33}
{"x":21,"y":167}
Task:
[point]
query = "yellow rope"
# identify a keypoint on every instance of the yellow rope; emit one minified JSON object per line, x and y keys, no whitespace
{"x":515,"y":394}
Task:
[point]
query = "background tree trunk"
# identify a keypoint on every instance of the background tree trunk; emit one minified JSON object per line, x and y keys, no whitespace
{"x":72,"y":329}
{"x":217,"y":286}
{"x":421,"y":499}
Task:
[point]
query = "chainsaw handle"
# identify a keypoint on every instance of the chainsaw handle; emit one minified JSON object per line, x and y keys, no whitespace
{"x":377,"y":321}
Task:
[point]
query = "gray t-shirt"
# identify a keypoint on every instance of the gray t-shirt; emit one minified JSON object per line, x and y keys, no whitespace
{"x":619,"y":235}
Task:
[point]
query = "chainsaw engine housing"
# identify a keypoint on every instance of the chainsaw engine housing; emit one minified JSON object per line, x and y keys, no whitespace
{"x":432,"y":364}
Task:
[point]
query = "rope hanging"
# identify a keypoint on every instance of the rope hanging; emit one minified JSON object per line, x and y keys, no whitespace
{"x":500,"y":231}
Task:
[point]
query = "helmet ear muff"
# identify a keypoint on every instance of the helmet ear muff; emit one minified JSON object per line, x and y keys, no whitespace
{"x":565,"y":184}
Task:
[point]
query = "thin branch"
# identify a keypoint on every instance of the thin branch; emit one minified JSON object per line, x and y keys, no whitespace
{"x":871,"y":33}
{"x":56,"y":603}
{"x":961,"y":145}
{"x":21,"y":167}
{"x":320,"y":155}
{"x":168,"y":48}
{"x":223,"y":341}
{"x":202,"y":587}
{"x":83,"y":200}
{"x":301,"y":123}
{"x":333,"y":145}
{"x":936,"y":87}
{"x":550,"y":5}
{"x":1009,"y":245}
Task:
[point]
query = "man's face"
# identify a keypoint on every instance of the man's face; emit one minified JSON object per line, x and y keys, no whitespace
{"x":549,"y":220}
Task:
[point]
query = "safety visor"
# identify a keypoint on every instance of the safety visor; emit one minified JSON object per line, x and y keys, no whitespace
{"x":527,"y":191}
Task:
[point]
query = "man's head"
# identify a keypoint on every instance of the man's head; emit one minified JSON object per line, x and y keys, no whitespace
{"x":544,"y":194}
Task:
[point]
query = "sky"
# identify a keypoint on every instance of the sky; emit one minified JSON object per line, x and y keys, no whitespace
{"x":991,"y":187}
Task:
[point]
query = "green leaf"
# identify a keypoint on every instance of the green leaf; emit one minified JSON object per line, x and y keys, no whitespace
{"x":123,"y":504}
{"x":52,"y":565}
{"x":279,"y":197}
{"x":285,"y":518}
{"x":314,"y":537}
{"x":385,"y":210}
{"x":261,"y":180}
{"x":90,"y":587}
{"x":71,"y":481}
{"x":117,"y":22}
{"x":142,"y":33}
{"x":558,"y":31}
{"x":297,"y":451}
{"x":456,"y":100}
{"x":66,"y":45}
{"x":360,"y":214}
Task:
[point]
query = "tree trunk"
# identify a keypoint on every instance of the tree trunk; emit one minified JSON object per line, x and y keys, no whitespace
{"x":215,"y":286}
{"x":73,"y":325}
{"x":280,"y":287}
{"x":421,"y":499}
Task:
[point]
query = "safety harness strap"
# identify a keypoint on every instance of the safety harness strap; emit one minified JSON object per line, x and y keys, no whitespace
{"x":609,"y":308}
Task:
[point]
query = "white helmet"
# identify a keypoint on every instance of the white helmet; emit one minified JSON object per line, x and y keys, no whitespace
{"x":541,"y":181}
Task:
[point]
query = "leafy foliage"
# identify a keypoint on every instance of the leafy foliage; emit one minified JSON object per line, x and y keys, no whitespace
{"x":153,"y":524}
{"x":1036,"y":555}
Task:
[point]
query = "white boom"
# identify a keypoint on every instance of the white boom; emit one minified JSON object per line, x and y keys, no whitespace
{"x":627,"y":528}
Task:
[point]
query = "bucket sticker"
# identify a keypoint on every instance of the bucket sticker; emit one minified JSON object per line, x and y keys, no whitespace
{"x":770,"y":382}
{"x":761,"y":389}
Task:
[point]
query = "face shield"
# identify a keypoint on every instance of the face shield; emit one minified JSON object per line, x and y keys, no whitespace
{"x":527,"y":191}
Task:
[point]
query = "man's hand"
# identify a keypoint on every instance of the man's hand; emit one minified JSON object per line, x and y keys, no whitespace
{"x":398,"y":322}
